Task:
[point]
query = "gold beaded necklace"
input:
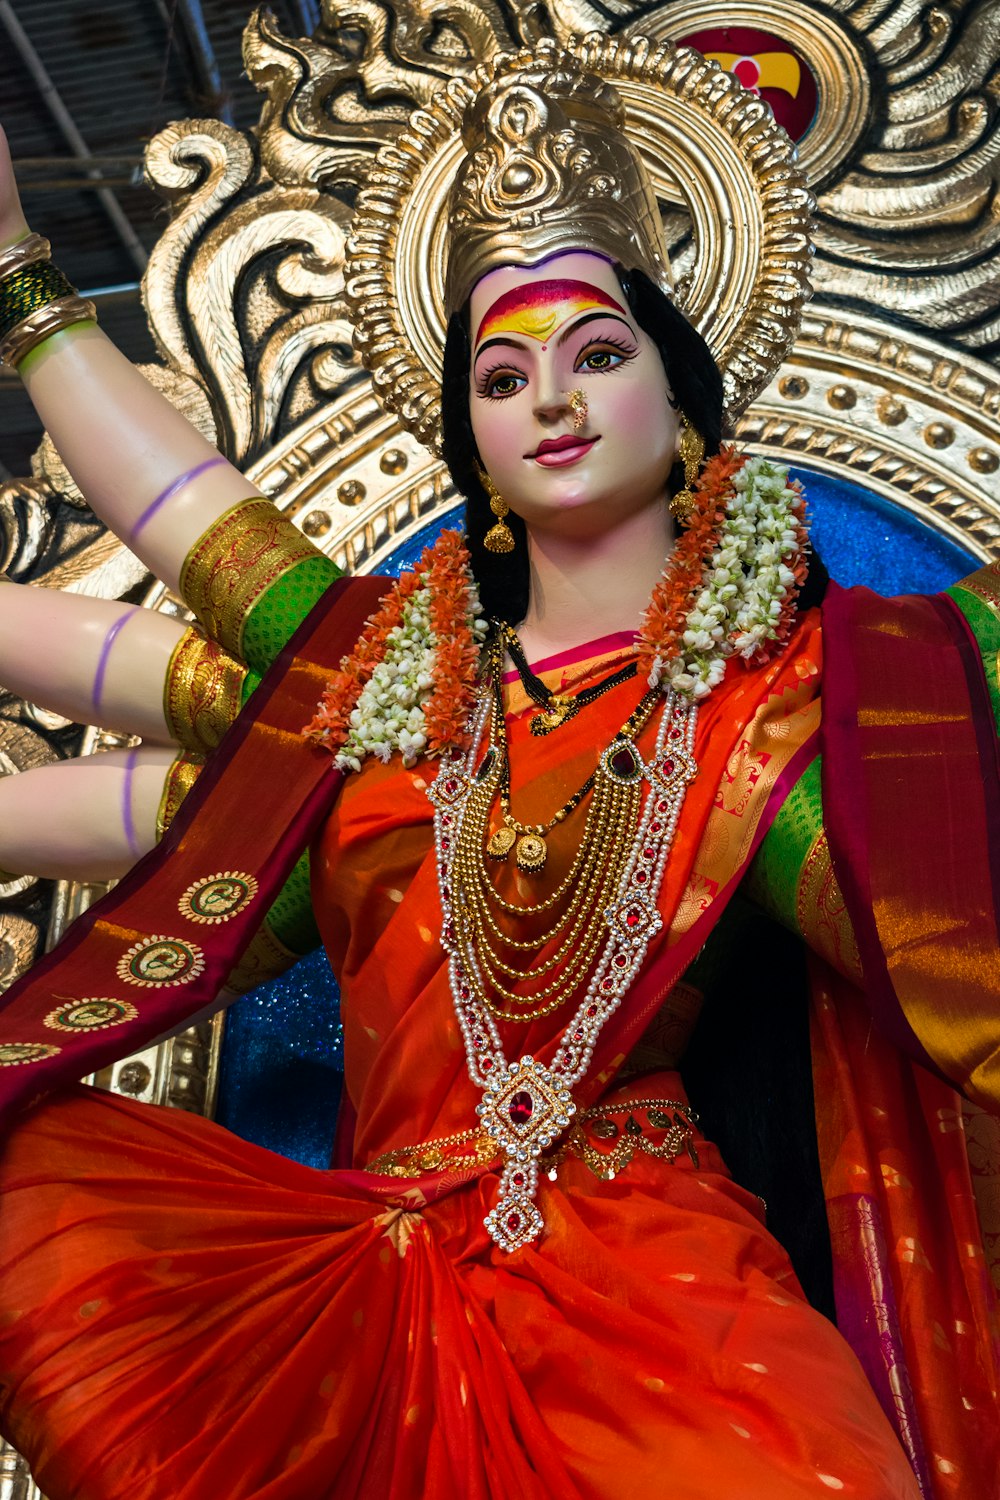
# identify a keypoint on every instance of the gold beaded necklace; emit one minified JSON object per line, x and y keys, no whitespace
{"x":527,"y":1104}
{"x":533,"y":987}
{"x":531,"y":849}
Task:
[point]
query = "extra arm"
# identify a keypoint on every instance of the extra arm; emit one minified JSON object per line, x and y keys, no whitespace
{"x":122,"y":441}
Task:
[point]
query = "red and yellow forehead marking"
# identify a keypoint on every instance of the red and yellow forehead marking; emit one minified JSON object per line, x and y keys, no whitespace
{"x":536,"y":310}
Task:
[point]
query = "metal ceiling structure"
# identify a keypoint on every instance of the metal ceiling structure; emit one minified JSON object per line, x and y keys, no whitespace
{"x":84,"y":84}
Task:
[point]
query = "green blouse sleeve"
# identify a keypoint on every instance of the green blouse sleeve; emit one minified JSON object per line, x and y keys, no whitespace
{"x":792,"y":878}
{"x":252,"y":578}
{"x":978,"y":598}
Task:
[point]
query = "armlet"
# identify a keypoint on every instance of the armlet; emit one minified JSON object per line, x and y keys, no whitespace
{"x":978,"y":597}
{"x":792,"y":877}
{"x":252,"y":578}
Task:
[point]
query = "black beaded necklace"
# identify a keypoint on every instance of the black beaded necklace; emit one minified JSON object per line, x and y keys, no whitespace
{"x":557,"y":708}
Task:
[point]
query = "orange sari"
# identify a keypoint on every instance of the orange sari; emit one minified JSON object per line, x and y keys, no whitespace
{"x":187,"y":1314}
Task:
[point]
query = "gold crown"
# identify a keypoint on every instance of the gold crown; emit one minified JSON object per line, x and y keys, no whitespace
{"x":537,"y":152}
{"x":549,"y":169}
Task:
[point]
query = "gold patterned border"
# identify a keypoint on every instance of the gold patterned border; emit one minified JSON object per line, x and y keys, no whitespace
{"x":201,"y":692}
{"x":236,"y":561}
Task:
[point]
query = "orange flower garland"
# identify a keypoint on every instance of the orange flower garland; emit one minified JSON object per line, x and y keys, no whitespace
{"x":673,"y":597}
{"x":729,"y":588}
{"x":445,"y":698}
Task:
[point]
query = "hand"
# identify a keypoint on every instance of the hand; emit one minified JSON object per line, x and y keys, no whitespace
{"x":13,"y":224}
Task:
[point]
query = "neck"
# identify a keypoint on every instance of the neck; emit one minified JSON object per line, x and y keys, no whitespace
{"x":583,"y":588}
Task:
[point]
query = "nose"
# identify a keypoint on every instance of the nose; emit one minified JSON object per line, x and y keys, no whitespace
{"x":551,"y":401}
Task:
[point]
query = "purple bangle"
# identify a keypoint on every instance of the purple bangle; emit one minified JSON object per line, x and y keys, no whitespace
{"x":128,"y":822}
{"x":171,"y":491}
{"x":102,"y":663}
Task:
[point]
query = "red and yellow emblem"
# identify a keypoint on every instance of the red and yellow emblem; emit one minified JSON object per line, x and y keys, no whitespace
{"x":766,"y":65}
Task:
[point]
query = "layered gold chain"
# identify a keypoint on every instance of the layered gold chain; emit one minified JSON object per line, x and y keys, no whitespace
{"x":510,"y":978}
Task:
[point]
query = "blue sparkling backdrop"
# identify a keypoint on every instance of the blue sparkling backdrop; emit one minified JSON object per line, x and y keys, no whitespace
{"x":282,"y":1066}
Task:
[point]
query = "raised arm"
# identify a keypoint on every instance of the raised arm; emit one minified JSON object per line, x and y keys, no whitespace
{"x":149,"y":475}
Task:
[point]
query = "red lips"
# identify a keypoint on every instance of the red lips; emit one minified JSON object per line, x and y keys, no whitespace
{"x":556,"y":445}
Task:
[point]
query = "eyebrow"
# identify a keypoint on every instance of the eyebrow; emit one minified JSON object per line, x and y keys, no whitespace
{"x":509,"y":342}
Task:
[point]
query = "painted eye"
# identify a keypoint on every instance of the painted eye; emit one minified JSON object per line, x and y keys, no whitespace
{"x":498,"y":384}
{"x":505,"y":384}
{"x":604,"y":356}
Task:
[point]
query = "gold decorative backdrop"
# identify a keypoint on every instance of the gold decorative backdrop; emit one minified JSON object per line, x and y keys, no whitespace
{"x":893,"y":381}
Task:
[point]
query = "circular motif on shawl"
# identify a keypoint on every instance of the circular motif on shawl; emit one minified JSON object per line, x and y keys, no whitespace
{"x":158,"y":961}
{"x":90,"y":1015}
{"x":13,"y":1054}
{"x":217,"y":898}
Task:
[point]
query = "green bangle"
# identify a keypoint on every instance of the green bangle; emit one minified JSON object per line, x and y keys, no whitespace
{"x":26,"y":290}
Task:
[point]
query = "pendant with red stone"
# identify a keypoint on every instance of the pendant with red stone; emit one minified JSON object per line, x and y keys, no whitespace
{"x":524,"y":1109}
{"x":621,"y":762}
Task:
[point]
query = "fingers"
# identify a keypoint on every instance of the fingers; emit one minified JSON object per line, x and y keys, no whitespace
{"x":89,"y":819}
{"x":92,"y":660}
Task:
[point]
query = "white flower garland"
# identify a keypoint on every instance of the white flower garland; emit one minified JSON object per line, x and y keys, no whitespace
{"x":746,"y":581}
{"x":389,"y":714}
{"x":738,"y":610}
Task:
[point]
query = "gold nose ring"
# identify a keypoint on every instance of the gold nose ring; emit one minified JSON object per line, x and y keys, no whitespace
{"x":578,"y":406}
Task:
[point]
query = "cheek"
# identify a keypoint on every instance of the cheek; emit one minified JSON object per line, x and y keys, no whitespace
{"x":494,"y":427}
{"x":640,"y":420}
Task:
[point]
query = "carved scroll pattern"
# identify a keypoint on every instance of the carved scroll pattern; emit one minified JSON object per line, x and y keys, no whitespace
{"x":244,"y":297}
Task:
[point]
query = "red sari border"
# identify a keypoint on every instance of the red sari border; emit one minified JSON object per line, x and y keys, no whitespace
{"x":904,"y":692}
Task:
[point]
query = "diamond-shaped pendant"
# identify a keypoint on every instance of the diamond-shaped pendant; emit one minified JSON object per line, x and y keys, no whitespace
{"x":524,"y":1111}
{"x":515,"y":1219}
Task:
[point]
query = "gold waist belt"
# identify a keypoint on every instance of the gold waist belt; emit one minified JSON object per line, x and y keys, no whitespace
{"x":600,"y":1137}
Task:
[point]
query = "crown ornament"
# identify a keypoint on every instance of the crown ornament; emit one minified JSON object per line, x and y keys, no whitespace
{"x":562,"y":147}
{"x":549,"y":168}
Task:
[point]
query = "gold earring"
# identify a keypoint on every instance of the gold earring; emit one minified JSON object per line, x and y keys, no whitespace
{"x":578,"y":405}
{"x":499,"y":538}
{"x":692,"y":455}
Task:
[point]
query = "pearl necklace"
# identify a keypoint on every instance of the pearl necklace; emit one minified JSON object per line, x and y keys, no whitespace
{"x":527,"y":1105}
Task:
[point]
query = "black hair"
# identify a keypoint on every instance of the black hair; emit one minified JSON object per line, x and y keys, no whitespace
{"x":692,"y":375}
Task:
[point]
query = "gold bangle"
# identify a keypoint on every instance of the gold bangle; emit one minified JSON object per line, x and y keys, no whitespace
{"x":181,"y":777}
{"x":202,"y":692}
{"x":24,"y":253}
{"x":235,"y":562}
{"x":41,"y":324}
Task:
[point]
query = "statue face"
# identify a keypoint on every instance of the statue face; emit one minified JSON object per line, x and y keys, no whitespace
{"x":539,"y":334}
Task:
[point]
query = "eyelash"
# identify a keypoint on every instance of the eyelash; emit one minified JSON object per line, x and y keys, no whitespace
{"x":626,"y":351}
{"x":483,"y":381}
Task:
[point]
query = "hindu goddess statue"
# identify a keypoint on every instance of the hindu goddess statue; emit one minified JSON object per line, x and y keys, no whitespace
{"x":530,"y":1274}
